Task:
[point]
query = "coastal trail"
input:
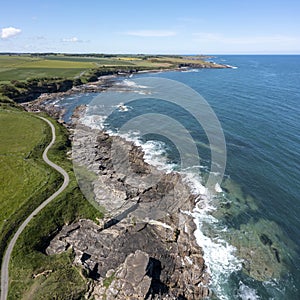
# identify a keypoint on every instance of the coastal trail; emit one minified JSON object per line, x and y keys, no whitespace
{"x":7,"y":255}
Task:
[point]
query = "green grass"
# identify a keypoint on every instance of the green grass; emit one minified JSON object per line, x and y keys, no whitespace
{"x":24,"y":67}
{"x":22,"y":176}
{"x":61,"y":279}
{"x":65,"y":281}
{"x":107,"y":281}
{"x":75,"y":59}
{"x":57,"y":64}
{"x":12,"y":61}
{"x":28,"y":73}
{"x":95,"y":60}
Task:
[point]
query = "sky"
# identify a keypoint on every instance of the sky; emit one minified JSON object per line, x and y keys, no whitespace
{"x":152,"y":27}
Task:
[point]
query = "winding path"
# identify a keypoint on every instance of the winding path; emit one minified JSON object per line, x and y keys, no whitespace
{"x":6,"y":258}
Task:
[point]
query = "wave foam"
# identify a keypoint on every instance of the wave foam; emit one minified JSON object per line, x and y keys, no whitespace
{"x":154,"y":151}
{"x":93,"y":121}
{"x":122,"y":108}
{"x":191,"y":71}
{"x":231,"y":67}
{"x":219,"y":256}
{"x":246,"y":293}
{"x":194,"y":181}
{"x":129,"y":85}
{"x":132,"y":84}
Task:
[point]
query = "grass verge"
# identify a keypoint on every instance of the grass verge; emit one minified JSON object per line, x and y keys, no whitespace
{"x":33,"y":274}
{"x":25,"y":180}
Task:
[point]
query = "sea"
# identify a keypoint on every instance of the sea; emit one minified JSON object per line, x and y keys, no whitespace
{"x":250,"y":229}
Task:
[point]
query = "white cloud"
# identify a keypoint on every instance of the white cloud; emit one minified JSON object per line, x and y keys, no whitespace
{"x":151,"y":33}
{"x":9,"y":32}
{"x":71,"y":40}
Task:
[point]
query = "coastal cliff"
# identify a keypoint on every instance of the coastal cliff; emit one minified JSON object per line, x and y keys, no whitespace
{"x":31,"y":89}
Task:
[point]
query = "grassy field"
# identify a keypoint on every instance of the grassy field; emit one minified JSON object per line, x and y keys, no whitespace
{"x":25,"y":182}
{"x":25,"y":77}
{"x":95,"y":60}
{"x":24,"y":67}
{"x":21,"y":177}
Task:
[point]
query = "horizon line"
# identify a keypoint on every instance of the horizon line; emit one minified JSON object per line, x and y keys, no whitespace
{"x":164,"y":54}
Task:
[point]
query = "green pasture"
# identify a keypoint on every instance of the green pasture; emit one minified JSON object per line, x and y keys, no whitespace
{"x":24,"y":67}
{"x":21,"y":177}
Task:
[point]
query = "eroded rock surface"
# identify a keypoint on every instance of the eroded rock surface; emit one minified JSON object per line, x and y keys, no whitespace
{"x":121,"y":181}
{"x":174,"y":264}
{"x":145,"y":247}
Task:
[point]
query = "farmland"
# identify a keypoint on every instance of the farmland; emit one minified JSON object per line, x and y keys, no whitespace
{"x":24,"y":67}
{"x":24,"y":77}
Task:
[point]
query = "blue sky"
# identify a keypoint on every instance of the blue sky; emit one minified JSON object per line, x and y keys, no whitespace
{"x":179,"y":27}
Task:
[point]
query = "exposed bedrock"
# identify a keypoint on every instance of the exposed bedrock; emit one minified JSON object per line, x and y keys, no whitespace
{"x":145,"y":247}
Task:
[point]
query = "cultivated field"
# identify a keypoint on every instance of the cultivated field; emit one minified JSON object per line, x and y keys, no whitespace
{"x":24,"y":67}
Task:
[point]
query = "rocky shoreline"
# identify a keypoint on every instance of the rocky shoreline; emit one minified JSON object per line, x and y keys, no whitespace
{"x":99,"y":85}
{"x":41,"y":103}
{"x":148,"y":230}
{"x":145,"y":247}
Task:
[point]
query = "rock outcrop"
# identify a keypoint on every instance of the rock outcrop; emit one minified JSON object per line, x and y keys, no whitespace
{"x":174,"y":264}
{"x":132,"y":280}
{"x":123,"y":184}
{"x":204,"y":65}
{"x":145,"y":247}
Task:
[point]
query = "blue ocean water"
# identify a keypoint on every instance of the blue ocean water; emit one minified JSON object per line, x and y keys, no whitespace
{"x":258,"y":105}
